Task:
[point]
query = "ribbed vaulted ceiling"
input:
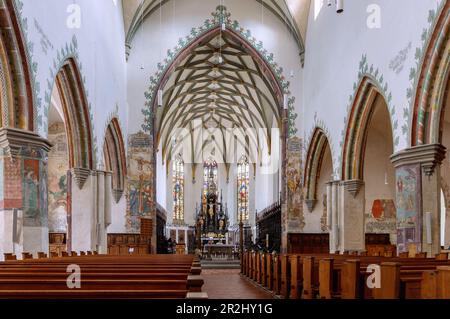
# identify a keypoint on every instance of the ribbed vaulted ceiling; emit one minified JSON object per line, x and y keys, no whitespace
{"x":219,"y":85}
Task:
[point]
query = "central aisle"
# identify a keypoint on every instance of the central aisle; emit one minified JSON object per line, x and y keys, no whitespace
{"x":228,"y":284}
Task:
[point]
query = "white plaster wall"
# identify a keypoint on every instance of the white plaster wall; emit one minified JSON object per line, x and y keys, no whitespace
{"x":101,"y":57}
{"x":335,"y":44}
{"x":101,"y":53}
{"x":82,"y":216}
{"x":379,"y":173}
{"x":118,"y":219}
{"x":150,"y":44}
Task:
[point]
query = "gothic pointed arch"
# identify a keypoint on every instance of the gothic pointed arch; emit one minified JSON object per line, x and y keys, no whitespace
{"x":115,"y":160}
{"x":221,"y":75}
{"x":431,"y":87}
{"x":16,"y":92}
{"x":358,"y":123}
{"x":316,"y":151}
{"x":77,"y":120}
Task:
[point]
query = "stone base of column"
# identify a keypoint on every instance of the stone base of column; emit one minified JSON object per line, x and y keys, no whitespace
{"x":351,"y":206}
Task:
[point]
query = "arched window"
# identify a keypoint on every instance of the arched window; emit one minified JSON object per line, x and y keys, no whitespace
{"x":178,"y":189}
{"x":209,"y":175}
{"x":243,"y":173}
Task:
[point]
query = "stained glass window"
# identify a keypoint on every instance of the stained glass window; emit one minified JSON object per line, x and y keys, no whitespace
{"x":243,"y":173}
{"x":209,"y":169}
{"x":178,"y":188}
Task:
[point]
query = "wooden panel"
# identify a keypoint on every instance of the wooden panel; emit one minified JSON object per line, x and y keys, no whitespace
{"x":308,"y":243}
{"x":146,"y":227}
{"x":128,"y":244}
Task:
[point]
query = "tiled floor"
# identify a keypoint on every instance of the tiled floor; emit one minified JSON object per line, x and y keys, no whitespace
{"x":228,"y":284}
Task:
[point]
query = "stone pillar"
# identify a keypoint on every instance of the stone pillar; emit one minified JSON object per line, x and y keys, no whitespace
{"x":418,"y":192}
{"x":351,"y":202}
{"x":332,"y":215}
{"x":91,"y":213}
{"x":23,"y":192}
{"x":84,"y":200}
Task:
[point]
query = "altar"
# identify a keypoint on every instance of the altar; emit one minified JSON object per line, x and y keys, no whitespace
{"x":212,"y":222}
{"x":218,"y":251}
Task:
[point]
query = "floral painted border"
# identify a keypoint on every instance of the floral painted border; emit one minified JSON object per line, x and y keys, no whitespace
{"x":219,"y":17}
{"x":378,"y":80}
{"x":414,"y":72}
{"x":292,"y":116}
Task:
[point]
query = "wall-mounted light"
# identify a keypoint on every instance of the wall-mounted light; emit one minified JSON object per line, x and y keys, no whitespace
{"x":339,"y":6}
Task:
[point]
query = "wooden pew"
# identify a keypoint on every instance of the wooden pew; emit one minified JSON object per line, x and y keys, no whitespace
{"x":269,"y":271}
{"x":296,"y":278}
{"x":309,"y":289}
{"x":285,"y":276}
{"x":276,"y":287}
{"x":262,"y":266}
{"x":258,"y":267}
{"x":102,"y":277}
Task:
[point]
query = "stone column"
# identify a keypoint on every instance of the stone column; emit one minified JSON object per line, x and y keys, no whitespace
{"x":23,"y":192}
{"x":418,"y":192}
{"x":332,"y":215}
{"x":351,"y":202}
{"x":91,"y":212}
{"x":84,"y":201}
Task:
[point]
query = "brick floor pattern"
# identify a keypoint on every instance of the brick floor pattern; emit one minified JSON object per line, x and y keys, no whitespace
{"x":228,"y":284}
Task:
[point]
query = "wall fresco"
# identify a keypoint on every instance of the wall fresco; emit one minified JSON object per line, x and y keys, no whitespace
{"x":140,"y":180}
{"x":381,"y":218}
{"x":409,"y":223}
{"x":296,"y":220}
{"x":34,"y":187}
{"x":58,"y":165}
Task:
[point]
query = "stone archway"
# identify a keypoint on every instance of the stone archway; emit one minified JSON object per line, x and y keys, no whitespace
{"x":268,"y":71}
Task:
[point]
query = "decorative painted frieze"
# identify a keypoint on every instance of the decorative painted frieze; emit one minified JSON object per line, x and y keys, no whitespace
{"x":419,"y":56}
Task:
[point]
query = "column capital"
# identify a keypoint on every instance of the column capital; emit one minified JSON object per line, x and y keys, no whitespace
{"x":428,"y":156}
{"x":352,"y":186}
{"x":81,"y":174}
{"x":117,"y":194}
{"x":13,"y":140}
{"x":331,"y":183}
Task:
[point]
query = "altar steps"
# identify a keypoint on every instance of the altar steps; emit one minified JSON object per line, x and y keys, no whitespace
{"x":220,"y":264}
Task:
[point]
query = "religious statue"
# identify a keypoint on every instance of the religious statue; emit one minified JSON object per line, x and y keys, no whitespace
{"x":211,"y":212}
